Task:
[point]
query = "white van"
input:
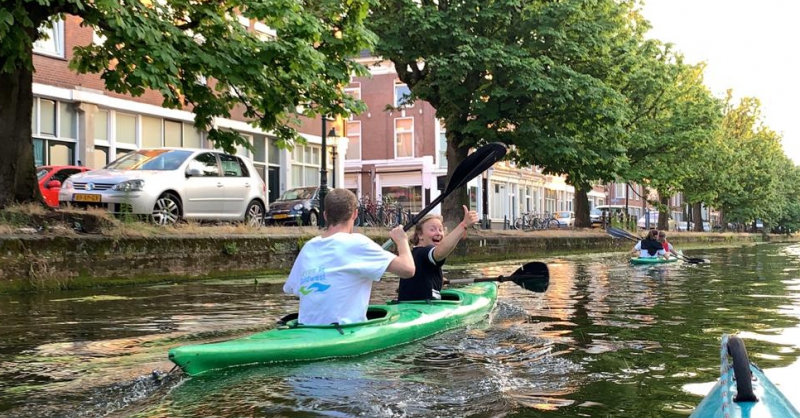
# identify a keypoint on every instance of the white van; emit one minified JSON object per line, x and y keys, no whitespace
{"x":596,"y":214}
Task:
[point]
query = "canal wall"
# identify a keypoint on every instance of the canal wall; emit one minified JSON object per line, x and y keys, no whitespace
{"x":58,"y":262}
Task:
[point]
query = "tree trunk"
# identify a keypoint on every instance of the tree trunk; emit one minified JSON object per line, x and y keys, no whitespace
{"x":663,"y":216}
{"x":697,"y":217}
{"x":17,"y":170}
{"x":452,"y":209}
{"x":582,"y":207}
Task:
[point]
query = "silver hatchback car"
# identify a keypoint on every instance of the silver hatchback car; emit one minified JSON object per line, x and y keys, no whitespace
{"x":169,"y":184}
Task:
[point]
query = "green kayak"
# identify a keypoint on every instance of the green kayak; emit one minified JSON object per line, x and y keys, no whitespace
{"x":652,"y":260}
{"x":387,"y":326}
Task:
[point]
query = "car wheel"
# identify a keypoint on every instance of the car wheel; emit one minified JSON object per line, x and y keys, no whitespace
{"x":167,"y":210}
{"x":254,"y":215}
{"x":313,"y":219}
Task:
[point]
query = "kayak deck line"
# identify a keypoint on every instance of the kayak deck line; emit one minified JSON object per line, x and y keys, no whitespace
{"x":652,"y":260}
{"x":387,"y":326}
{"x":742,"y":390}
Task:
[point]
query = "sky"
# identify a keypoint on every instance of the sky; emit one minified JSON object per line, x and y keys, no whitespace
{"x":750,"y":46}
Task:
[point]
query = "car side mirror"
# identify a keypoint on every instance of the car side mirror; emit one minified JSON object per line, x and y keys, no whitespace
{"x":194,"y":172}
{"x":54,"y":184}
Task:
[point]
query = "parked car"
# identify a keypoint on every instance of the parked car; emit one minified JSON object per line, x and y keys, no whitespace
{"x":565,"y":218}
{"x":169,"y":184}
{"x":597,"y":214}
{"x":654,"y":221}
{"x":52,"y":177}
{"x":299,"y":206}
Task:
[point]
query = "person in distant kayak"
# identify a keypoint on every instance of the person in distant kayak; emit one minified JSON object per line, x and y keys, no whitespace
{"x":431,"y":248}
{"x":333,"y":273}
{"x":668,"y":248}
{"x":649,"y":247}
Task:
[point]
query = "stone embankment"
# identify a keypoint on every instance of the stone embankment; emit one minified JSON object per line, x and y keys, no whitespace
{"x":36,"y":262}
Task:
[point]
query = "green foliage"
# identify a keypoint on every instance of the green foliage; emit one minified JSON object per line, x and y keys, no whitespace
{"x":531,"y":74}
{"x":230,"y":248}
{"x":173,"y":47}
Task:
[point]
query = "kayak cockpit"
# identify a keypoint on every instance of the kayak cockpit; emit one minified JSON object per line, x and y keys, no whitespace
{"x":375,"y":315}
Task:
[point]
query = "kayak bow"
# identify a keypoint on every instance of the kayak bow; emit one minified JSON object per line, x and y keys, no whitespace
{"x":742,"y":390}
{"x":387,"y":326}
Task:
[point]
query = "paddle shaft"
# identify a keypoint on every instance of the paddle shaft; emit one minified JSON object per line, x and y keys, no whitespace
{"x":476,"y":163}
{"x":518,"y":277}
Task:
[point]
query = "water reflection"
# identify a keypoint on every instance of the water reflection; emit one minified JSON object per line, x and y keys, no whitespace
{"x":605,"y":339}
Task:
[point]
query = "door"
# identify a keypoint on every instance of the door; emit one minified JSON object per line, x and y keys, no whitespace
{"x":273,"y":183}
{"x":50,"y":194}
{"x":204,"y":194}
{"x":238,"y":185}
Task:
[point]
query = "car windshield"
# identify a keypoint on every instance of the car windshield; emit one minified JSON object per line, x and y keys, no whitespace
{"x":563,"y":215}
{"x":595,"y":211}
{"x":159,"y":159}
{"x":298,"y":194}
{"x":41,"y":172}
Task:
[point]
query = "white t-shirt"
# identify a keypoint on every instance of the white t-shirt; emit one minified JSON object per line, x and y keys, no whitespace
{"x":333,"y":277}
{"x":645,"y":253}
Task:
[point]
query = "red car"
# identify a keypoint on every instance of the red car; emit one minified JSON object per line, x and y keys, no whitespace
{"x":51,"y":177}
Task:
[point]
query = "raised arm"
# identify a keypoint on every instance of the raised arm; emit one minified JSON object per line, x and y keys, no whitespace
{"x":450,"y":240}
{"x":403,"y":264}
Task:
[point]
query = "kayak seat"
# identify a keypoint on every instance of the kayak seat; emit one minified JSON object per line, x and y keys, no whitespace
{"x":450,"y":296}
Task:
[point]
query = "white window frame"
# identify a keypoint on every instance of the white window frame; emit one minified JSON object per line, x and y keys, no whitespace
{"x":396,"y":132}
{"x":397,"y":104}
{"x":351,"y":136}
{"x":53,"y":45}
{"x":354,"y":90}
{"x":303,"y":164}
{"x":619,"y":190}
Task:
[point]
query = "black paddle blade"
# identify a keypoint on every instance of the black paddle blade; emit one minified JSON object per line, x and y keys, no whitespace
{"x":477,"y":162}
{"x":621,"y":233}
{"x":533,"y":276}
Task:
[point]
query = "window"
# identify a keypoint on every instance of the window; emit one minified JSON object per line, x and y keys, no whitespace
{"x":173,"y":131}
{"x":101,"y":125}
{"x":354,"y":136}
{"x":54,"y":131}
{"x":52,"y":40}
{"x":126,"y":128}
{"x":151,"y":132}
{"x":206,"y":163}
{"x":233,"y":166}
{"x":619,"y":189}
{"x":100,"y":157}
{"x":404,"y":137}
{"x":410,"y":197}
{"x":401,"y":94}
{"x":305,"y":166}
{"x":354,"y":90}
{"x":442,"y":149}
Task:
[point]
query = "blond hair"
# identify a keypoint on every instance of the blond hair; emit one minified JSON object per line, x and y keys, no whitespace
{"x":421,"y":224}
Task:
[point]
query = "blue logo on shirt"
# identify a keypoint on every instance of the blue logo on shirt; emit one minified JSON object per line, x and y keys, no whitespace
{"x":315,"y":287}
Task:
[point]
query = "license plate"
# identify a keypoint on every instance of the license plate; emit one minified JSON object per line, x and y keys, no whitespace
{"x":280,"y":216}
{"x":82,"y":197}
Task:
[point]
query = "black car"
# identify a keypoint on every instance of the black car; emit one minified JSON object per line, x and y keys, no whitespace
{"x":298,"y":206}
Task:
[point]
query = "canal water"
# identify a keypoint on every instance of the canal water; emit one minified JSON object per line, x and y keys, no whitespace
{"x":606,"y":339}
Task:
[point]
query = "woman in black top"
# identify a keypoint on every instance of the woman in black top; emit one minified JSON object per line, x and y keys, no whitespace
{"x":431,"y":248}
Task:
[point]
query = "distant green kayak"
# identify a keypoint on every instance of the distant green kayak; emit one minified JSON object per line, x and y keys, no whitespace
{"x":387,"y":326}
{"x":652,"y":260}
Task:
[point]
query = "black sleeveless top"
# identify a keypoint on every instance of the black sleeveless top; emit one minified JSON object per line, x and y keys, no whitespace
{"x":427,"y":281}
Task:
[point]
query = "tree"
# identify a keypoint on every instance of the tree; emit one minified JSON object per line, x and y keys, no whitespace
{"x":514,"y":72}
{"x":169,"y":46}
{"x":752,"y":157}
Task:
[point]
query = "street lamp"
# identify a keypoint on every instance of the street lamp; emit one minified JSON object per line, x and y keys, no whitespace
{"x":323,"y":170}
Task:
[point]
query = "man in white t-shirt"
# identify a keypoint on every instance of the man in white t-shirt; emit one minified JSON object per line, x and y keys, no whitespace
{"x":333,"y":273}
